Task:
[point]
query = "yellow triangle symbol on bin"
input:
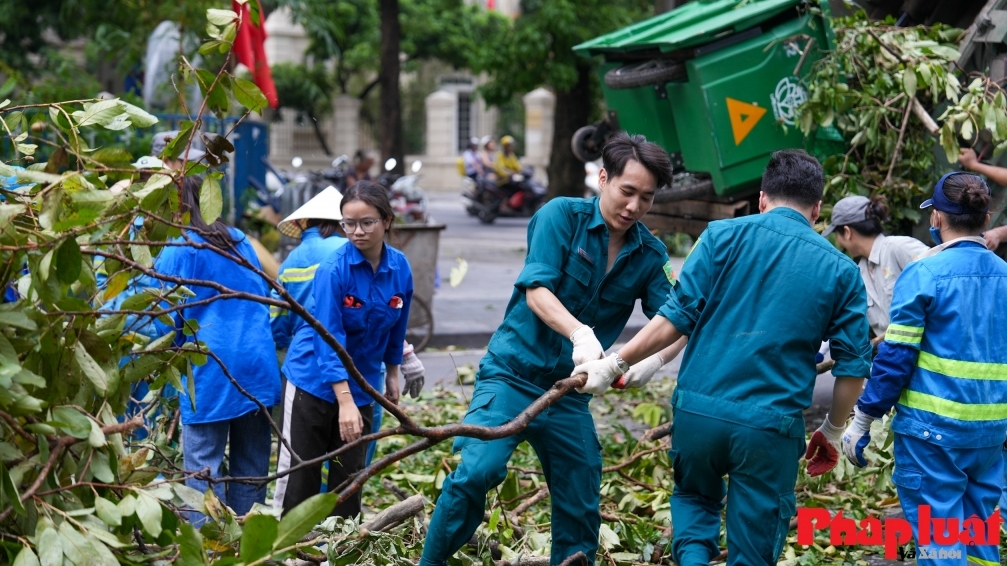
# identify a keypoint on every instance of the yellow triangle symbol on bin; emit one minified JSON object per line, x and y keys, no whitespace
{"x":744,"y":117}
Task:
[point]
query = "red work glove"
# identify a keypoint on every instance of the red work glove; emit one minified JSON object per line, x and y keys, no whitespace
{"x":823,"y":449}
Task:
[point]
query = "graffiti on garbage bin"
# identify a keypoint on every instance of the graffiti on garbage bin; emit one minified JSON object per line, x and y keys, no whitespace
{"x":789,"y":94}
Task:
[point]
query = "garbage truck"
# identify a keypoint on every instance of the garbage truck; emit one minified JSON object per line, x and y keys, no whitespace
{"x":717,"y":83}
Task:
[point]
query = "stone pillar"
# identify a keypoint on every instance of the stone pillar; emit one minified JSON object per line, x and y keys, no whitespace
{"x":346,"y":125}
{"x":286,"y":41}
{"x":442,"y":124}
{"x":539,"y":107}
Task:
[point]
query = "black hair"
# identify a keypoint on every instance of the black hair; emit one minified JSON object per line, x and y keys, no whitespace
{"x":373,"y":194}
{"x":623,"y":147}
{"x":794,"y":177}
{"x":216,"y":233}
{"x":326,"y":228}
{"x":971,"y":192}
{"x":877,"y":212}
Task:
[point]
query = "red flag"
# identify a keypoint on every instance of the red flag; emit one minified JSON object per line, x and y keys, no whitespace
{"x":249,"y":46}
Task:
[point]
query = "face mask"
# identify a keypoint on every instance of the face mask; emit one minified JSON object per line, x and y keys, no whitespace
{"x":935,"y":233}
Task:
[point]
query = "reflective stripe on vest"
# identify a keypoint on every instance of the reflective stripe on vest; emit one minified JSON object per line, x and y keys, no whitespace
{"x":901,"y":334}
{"x":953,"y":409}
{"x":961,"y":369}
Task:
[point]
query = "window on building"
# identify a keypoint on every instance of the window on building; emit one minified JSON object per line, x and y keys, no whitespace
{"x":464,"y":119}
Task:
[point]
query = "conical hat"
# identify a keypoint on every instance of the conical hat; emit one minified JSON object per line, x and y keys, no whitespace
{"x":324,"y":206}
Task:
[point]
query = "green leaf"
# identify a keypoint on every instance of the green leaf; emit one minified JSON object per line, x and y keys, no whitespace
{"x":116,"y":284}
{"x":138,"y":116}
{"x":91,"y":369}
{"x":148,"y":510}
{"x":190,"y":547}
{"x":72,"y":422}
{"x":220,"y":17}
{"x":101,"y":469}
{"x":189,"y":497}
{"x":494,"y":520}
{"x":909,"y":82}
{"x":17,"y":319}
{"x":50,"y":546}
{"x":257,"y":538}
{"x":249,"y":95}
{"x":127,"y":505}
{"x":26,"y":558}
{"x":106,"y":510}
{"x":141,"y":255}
{"x":211,"y":202}
{"x":178,"y":144}
{"x":301,"y":519}
{"x":68,"y":261}
{"x":76,"y":548}
{"x":100,"y":113}
{"x":9,"y":495}
{"x":96,"y":437}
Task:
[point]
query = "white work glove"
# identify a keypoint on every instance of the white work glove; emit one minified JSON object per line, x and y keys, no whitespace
{"x":823,"y":449}
{"x":600,"y":375}
{"x":586,"y":348}
{"x":640,"y":373}
{"x":412,"y":371}
{"x":857,"y":437}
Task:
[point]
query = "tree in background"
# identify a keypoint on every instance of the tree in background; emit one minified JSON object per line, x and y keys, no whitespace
{"x":117,"y":32}
{"x":538,"y":51}
{"x":369,"y":46}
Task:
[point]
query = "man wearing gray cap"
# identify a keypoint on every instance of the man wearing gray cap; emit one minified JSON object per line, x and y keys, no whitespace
{"x":856,"y":221}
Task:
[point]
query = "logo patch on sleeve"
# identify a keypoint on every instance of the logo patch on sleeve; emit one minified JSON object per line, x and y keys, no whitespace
{"x":669,"y":272}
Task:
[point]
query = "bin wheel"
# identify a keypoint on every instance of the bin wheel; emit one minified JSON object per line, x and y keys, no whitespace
{"x":642,"y":74}
{"x":583,"y":144}
{"x":420,"y":329}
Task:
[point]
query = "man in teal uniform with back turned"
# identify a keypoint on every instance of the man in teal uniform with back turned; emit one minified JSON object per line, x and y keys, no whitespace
{"x":588,"y":262}
{"x":756,"y":297}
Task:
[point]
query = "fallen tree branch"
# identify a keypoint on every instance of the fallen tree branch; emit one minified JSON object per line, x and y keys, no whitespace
{"x":637,"y":456}
{"x":898,"y":144}
{"x":394,"y":515}
{"x":62,"y":443}
{"x":924,"y":116}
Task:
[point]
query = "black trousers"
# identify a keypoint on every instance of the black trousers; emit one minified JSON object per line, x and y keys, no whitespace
{"x":311,"y":426}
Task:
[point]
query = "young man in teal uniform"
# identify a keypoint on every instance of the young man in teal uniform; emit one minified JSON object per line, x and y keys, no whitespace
{"x":588,"y":262}
{"x":756,"y":297}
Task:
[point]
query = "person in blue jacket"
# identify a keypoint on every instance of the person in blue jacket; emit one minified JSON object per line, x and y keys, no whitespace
{"x":943,"y":364}
{"x":316,"y":224}
{"x":756,"y":297}
{"x":588,"y":263}
{"x":361,"y":293}
{"x":237,"y":331}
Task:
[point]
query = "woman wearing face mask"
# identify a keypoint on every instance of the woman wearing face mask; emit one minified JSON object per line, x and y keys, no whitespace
{"x":362,"y":294}
{"x":856,"y":221}
{"x":944,"y":363}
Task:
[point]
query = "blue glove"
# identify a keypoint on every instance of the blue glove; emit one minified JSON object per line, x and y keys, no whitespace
{"x":857,"y":437}
{"x":819,"y":358}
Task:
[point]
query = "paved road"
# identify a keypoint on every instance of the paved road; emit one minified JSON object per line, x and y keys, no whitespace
{"x":467,"y":315}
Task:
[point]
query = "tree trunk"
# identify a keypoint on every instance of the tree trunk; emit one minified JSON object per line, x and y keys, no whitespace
{"x":573,"y":110}
{"x":391,"y":103}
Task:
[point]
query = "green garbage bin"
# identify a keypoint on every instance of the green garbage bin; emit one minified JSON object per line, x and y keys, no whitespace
{"x":716,"y":83}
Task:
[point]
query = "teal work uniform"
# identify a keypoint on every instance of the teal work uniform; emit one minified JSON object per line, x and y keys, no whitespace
{"x":756,"y":296}
{"x":567,"y":254}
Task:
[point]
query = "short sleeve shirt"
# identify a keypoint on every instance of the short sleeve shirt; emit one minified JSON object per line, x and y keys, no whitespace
{"x":889,"y":257}
{"x":568,"y":254}
{"x":757,"y":296}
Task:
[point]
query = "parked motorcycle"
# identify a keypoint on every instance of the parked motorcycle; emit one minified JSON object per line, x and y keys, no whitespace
{"x":407,"y":198}
{"x":523,"y":196}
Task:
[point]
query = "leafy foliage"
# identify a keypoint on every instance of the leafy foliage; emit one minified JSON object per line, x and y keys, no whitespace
{"x":866,"y":87}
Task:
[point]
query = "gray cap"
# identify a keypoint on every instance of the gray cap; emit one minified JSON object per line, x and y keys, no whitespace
{"x":849,"y":210}
{"x":161,"y":141}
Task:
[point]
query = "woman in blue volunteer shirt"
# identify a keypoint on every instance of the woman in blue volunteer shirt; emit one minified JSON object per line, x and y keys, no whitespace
{"x":237,"y":331}
{"x":362,"y":294}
